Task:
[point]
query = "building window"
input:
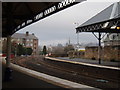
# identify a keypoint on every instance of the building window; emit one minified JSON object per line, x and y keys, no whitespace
{"x":27,"y":44}
{"x":31,"y":44}
{"x":27,"y":39}
{"x":34,"y":43}
{"x":18,"y":39}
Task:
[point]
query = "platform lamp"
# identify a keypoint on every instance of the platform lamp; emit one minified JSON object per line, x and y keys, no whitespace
{"x":77,"y":24}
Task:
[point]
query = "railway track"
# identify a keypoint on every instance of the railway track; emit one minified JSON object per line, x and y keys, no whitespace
{"x":66,"y":71}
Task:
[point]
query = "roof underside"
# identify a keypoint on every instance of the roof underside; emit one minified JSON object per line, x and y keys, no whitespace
{"x":103,"y":21}
{"x":17,"y":15}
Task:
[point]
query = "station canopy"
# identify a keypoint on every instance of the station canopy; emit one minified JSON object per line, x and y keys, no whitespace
{"x":107,"y":21}
{"x":17,"y":15}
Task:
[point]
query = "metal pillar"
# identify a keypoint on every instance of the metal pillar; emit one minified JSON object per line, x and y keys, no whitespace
{"x":99,"y":48}
{"x":78,"y":45}
{"x":8,"y":71}
{"x":9,"y":28}
{"x":8,"y":51}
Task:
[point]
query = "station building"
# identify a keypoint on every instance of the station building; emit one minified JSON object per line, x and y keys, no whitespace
{"x":25,"y":39}
{"x":110,"y":51}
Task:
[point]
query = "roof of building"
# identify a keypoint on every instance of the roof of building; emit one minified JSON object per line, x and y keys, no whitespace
{"x":21,"y":36}
{"x":104,"y":15}
{"x":112,"y":37}
{"x":103,"y":21}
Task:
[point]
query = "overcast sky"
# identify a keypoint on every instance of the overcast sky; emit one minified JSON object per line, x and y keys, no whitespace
{"x":59,"y":27}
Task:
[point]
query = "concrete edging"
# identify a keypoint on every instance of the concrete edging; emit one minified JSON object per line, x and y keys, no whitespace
{"x":100,"y":66}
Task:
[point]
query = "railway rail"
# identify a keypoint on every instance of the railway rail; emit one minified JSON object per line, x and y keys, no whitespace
{"x":95,"y":77}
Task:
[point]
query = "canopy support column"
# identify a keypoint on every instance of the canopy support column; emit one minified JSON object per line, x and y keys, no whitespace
{"x":99,"y":37}
{"x":8,"y":71}
{"x":99,"y":48}
{"x":8,"y":51}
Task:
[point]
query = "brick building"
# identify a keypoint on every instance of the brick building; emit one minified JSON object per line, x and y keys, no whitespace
{"x":110,"y":50}
{"x":112,"y":46}
{"x":112,"y":39}
{"x":107,"y":53}
{"x":27,"y":40}
{"x":91,"y":52}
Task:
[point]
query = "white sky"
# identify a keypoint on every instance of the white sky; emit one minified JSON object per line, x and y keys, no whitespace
{"x":59,"y":27}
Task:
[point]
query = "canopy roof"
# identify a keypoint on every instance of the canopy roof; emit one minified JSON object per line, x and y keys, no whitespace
{"x":103,"y":21}
{"x":16,"y":15}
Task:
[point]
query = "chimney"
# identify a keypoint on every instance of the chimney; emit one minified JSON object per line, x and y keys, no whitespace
{"x":32,"y":33}
{"x":27,"y":33}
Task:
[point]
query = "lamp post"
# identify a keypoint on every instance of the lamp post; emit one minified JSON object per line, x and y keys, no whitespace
{"x":77,"y":24}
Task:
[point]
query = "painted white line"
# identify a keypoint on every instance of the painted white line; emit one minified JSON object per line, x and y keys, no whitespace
{"x":100,"y":66}
{"x":38,"y":64}
{"x":51,"y":79}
